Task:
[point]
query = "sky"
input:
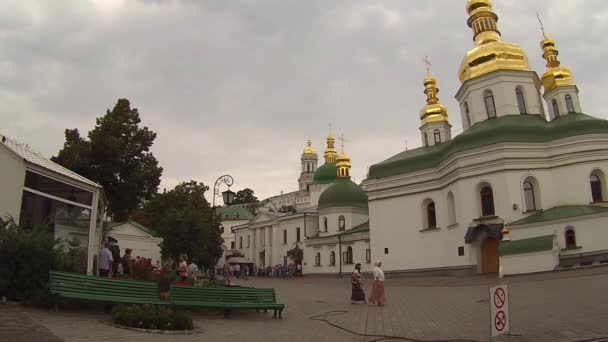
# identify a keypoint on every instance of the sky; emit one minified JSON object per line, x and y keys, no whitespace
{"x":238,"y":86}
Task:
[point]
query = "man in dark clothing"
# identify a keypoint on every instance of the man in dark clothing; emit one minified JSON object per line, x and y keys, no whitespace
{"x":115,"y":250}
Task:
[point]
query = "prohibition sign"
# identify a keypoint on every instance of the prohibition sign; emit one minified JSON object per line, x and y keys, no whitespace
{"x":499,"y":298}
{"x":500,"y":321}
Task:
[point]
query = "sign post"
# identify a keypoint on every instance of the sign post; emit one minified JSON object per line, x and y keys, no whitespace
{"x":499,"y":310}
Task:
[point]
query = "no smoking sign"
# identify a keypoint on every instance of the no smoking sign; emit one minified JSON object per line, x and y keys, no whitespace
{"x":499,"y":309}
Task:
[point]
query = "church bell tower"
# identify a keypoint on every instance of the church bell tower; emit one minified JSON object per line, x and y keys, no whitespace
{"x":309,"y":161}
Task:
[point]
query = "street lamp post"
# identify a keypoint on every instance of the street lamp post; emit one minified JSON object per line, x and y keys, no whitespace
{"x":227,"y":196}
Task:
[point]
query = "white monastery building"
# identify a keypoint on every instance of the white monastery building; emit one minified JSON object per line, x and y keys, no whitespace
{"x":519,"y":190}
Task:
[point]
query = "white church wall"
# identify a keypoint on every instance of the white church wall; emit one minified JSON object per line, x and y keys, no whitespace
{"x":325,"y":267}
{"x":529,"y":262}
{"x":352,"y":218}
{"x":11,"y":183}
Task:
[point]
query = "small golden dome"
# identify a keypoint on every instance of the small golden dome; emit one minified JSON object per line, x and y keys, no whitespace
{"x":331,"y":154}
{"x":433,"y":111}
{"x":556,"y":74}
{"x":309,"y":149}
{"x":343,"y":165}
{"x":491,"y":53}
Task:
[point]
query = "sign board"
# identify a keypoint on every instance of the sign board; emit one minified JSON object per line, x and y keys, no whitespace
{"x":499,"y":310}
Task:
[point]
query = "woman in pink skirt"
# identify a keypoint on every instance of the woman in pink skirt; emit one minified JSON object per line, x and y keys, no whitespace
{"x":377,"y":294}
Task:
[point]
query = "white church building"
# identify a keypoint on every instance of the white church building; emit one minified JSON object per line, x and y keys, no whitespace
{"x":520,"y":190}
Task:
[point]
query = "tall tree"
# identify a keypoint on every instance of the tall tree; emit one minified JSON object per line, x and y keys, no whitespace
{"x":245,"y":196}
{"x":117,"y":156}
{"x":183,"y":218}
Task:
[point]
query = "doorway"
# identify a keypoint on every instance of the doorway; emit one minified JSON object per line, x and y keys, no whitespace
{"x":489,"y":255}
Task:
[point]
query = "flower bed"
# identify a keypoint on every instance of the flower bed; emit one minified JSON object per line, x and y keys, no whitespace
{"x":151,"y":317}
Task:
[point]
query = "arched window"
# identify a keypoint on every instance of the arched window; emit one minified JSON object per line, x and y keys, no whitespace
{"x":570,"y":238}
{"x":325,"y":224}
{"x":348,"y":256}
{"x":318,"y":259}
{"x":332,"y":258}
{"x":521,"y":101}
{"x":341,"y":223}
{"x":488,"y":99}
{"x":569,"y":104}
{"x":555,"y":108}
{"x":529,"y":196}
{"x":431,"y":218}
{"x":467,"y":114}
{"x":298,"y":234}
{"x":248,"y":241}
{"x":221,"y":229}
{"x":240,"y":242}
{"x":231,"y":244}
{"x":426,"y":139}
{"x":437,"y":135}
{"x":284,"y":235}
{"x":451,"y":209}
{"x":596,"y":187}
{"x":487,"y":201}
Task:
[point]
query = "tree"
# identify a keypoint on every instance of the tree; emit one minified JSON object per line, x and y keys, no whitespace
{"x":288,"y":209}
{"x":117,"y":156}
{"x":183,"y":218}
{"x":245,"y":196}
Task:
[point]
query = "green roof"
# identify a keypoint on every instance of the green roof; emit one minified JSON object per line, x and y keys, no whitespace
{"x":327,"y":173}
{"x":530,"y":245}
{"x":343,"y":193}
{"x":362,"y":228}
{"x":558,"y":213}
{"x":510,"y":128}
{"x":234,"y":213}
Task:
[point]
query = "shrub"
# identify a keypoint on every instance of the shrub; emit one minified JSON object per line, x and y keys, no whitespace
{"x":151,"y":317}
{"x":26,"y":257}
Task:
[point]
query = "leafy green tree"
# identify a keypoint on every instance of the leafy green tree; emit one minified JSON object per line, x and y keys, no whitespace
{"x":245,"y":196}
{"x":183,"y":218}
{"x":117,"y":156}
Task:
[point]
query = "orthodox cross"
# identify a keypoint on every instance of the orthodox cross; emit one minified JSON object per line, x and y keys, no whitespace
{"x":428,"y":65}
{"x":342,"y":140}
{"x":542,"y":27}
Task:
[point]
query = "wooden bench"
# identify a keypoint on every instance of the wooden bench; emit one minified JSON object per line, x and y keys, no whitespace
{"x":82,"y":287}
{"x":226,"y":299}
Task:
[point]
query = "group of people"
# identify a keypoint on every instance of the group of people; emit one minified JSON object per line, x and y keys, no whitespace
{"x":111,"y":263}
{"x":184,"y":270}
{"x":281,"y":271}
{"x":376,"y":296}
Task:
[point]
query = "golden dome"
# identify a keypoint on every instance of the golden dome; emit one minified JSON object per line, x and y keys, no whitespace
{"x":433,"y":111}
{"x":556,"y":75}
{"x":491,"y":53}
{"x":343,"y":165}
{"x":309,"y":149}
{"x":331,"y":154}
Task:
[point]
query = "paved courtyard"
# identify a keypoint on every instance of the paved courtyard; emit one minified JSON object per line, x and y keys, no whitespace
{"x":563,"y":306}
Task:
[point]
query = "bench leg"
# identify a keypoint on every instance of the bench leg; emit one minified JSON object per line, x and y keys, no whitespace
{"x":281,"y":314}
{"x":275,"y":314}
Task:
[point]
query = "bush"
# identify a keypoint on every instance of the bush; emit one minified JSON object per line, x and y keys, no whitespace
{"x":26,"y":257}
{"x":151,"y":317}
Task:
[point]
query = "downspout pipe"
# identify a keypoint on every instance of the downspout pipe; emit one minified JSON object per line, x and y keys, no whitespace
{"x":340,"y":255}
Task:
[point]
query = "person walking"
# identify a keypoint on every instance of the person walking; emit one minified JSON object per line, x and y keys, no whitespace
{"x":193,"y":271}
{"x":127,"y":262}
{"x":105,"y":261}
{"x":182,"y":268}
{"x":244,"y":272}
{"x":357,"y":295}
{"x":377,"y":294}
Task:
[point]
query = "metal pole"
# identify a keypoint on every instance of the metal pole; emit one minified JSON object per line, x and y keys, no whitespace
{"x":340,"y":256}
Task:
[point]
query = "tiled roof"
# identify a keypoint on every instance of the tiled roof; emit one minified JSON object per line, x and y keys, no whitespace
{"x":561,"y":212}
{"x":37,"y":159}
{"x":234,"y":213}
{"x":530,"y":245}
{"x":509,"y":128}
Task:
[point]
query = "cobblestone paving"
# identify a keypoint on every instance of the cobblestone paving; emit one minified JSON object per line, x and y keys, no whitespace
{"x":565,"y":306}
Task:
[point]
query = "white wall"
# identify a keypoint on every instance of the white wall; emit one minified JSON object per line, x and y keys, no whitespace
{"x":11,"y":183}
{"x":559,"y":95}
{"x":352,"y":218}
{"x":358,"y":247}
{"x":529,"y":262}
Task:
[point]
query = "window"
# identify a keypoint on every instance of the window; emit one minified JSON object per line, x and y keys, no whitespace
{"x":487,"y":201}
{"x":332,"y":258}
{"x":240,"y":242}
{"x":430,"y":215}
{"x":461,"y":251}
{"x":467,"y":114}
{"x":569,"y":104}
{"x":488,"y":99}
{"x":368,"y":255}
{"x":325,"y":224}
{"x":570,"y":238}
{"x":341,"y":223}
{"x":529,"y":196}
{"x":555,"y":108}
{"x":426,"y":139}
{"x":248,"y":241}
{"x":284,"y":235}
{"x":451,"y":209}
{"x":231,"y":244}
{"x":298,"y":234}
{"x":437,"y":135}
{"x":56,"y":188}
{"x":221,"y":229}
{"x":386,"y":251}
{"x":596,"y":188}
{"x":521,"y":102}
{"x":318,"y":259}
{"x":348,"y":256}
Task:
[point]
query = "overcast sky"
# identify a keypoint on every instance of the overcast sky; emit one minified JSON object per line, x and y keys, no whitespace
{"x":238,"y":86}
